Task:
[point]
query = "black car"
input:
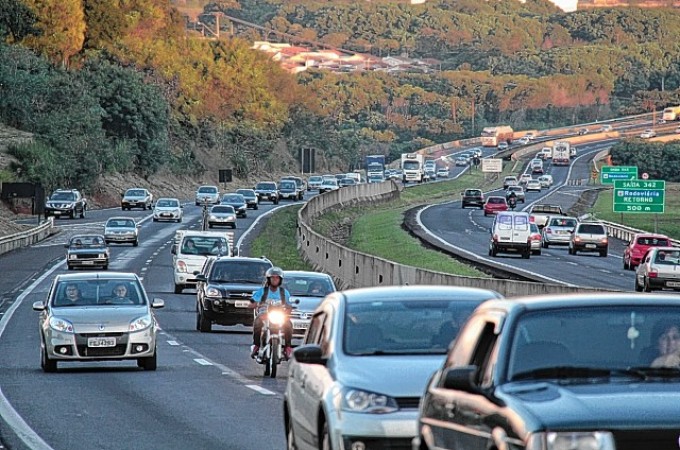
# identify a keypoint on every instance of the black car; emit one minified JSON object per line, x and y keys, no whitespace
{"x":587,"y":371}
{"x":225,"y":288}
{"x":238,"y":202}
{"x":250,"y":196}
{"x":472,"y":197}
{"x":66,"y":203}
{"x":299,"y":183}
{"x":267,"y":190}
{"x":87,"y":250}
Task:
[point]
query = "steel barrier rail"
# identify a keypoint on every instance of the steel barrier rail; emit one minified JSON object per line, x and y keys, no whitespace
{"x":26,"y":238}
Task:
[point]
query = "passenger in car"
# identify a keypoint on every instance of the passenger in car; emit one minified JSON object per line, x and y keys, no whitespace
{"x":72,"y":295}
{"x":668,"y":345}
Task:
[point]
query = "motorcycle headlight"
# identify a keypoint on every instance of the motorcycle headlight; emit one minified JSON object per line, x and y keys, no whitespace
{"x":359,"y":401}
{"x":141,"y":323}
{"x":572,"y":440}
{"x":62,"y":325}
{"x":276,"y":317}
{"x":213,"y":292}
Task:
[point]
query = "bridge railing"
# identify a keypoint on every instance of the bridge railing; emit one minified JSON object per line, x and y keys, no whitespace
{"x":26,"y":238}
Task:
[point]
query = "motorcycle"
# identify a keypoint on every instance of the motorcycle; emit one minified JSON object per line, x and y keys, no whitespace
{"x":272,"y":339}
{"x":512,"y":202}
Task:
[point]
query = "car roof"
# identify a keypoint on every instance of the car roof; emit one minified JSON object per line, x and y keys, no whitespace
{"x":242,"y":258}
{"x":305,"y":273}
{"x":167,"y":198}
{"x":82,"y":235}
{"x":565,"y":301}
{"x":85,"y":276}
{"x":121,"y":218}
{"x":416,"y":293}
{"x":652,"y":235}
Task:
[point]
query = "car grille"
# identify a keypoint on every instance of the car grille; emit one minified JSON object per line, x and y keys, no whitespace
{"x":648,"y":439}
{"x":408,"y":402}
{"x":89,"y":335}
{"x":118,"y":350}
{"x":239,"y":295}
{"x":87,"y":255}
{"x":379,"y":443}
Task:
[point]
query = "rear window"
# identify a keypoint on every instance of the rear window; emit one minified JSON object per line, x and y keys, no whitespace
{"x":653,"y":242}
{"x":563,"y":223}
{"x":473,"y":192}
{"x":592,"y":229}
{"x":496,"y":200}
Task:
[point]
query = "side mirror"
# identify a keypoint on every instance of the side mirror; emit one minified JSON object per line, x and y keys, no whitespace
{"x":235,"y":251}
{"x":197,"y":272}
{"x":173,"y":250}
{"x":122,"y":195}
{"x":200,"y":276}
{"x":309,"y":354}
{"x":158,"y":303}
{"x":181,"y":206}
{"x":66,"y":245}
{"x":39,"y":306}
{"x":461,"y":379}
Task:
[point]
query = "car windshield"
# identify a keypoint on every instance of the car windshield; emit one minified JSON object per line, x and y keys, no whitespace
{"x":315,"y":179}
{"x":471,"y":192}
{"x":135,"y":193}
{"x":120,"y":223}
{"x":266,"y":186}
{"x":308,"y":286}
{"x":222,"y":209}
{"x":87,"y":242}
{"x":233,"y":198}
{"x":98,"y":293}
{"x":164,"y":203}
{"x":287,"y":185}
{"x":331,"y":182}
{"x":207,"y":190}
{"x":238,"y":272}
{"x":246,"y":192}
{"x":403,"y":326}
{"x":653,"y":241}
{"x":64,"y":196}
{"x":205,"y":245}
{"x":607,"y":337}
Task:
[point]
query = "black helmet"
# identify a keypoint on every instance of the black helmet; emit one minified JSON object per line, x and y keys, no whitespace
{"x":274,"y":271}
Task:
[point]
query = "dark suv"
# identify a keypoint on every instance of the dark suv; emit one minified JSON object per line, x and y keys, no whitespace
{"x":267,"y":190}
{"x":66,"y":202}
{"x":225,"y":288}
{"x":299,"y":183}
{"x":473,"y":197}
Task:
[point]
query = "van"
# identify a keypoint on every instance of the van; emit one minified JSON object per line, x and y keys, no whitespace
{"x":511,"y":233}
{"x":192,"y":248}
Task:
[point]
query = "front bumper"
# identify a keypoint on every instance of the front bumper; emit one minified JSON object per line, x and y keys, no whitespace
{"x":393,"y":431}
{"x":267,"y":196}
{"x":87,"y":262}
{"x":289,"y":195}
{"x":120,"y":238}
{"x":77,"y":348}
{"x":52,"y":211}
{"x":133,"y":204}
{"x":223,"y":222}
{"x":225,"y":312}
{"x":167,"y":215}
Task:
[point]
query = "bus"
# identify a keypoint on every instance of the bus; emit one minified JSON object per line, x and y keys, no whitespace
{"x":671,"y":113}
{"x":492,"y":136}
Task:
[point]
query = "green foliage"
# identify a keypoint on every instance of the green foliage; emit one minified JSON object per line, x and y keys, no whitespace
{"x":661,"y":160}
{"x":16,"y":20}
{"x":278,"y":241}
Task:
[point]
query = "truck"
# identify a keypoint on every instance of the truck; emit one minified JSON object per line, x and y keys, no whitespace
{"x":540,"y":213}
{"x":561,"y":153}
{"x":412,"y":166}
{"x":375,"y":164}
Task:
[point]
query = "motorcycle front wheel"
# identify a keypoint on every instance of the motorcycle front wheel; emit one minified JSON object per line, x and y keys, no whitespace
{"x":274,"y":357}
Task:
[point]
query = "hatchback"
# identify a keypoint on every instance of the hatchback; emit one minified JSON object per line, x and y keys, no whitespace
{"x":589,"y":237}
{"x":533,"y":185}
{"x":357,"y":381}
{"x":494,"y":204}
{"x":168,"y":209}
{"x":250,"y":196}
{"x":558,"y":230}
{"x":308,"y":288}
{"x":97,"y":316}
{"x":238,"y":202}
{"x":638,"y":246}
{"x":222,"y":215}
{"x":659,"y":269}
{"x":314,"y":182}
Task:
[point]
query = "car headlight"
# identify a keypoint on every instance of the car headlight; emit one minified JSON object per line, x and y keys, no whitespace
{"x":359,"y":401}
{"x":101,"y":255}
{"x":276,"y":317}
{"x":62,"y":325}
{"x":213,"y":292}
{"x":231,"y":218}
{"x":213,"y":217}
{"x":571,"y":440}
{"x":141,"y":323}
{"x":72,"y":257}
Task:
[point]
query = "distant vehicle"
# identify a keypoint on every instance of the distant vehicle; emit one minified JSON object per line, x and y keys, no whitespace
{"x":238,"y":202}
{"x":541,"y":212}
{"x":328,"y":185}
{"x":510,"y":180}
{"x":80,"y":306}
{"x":412,"y":165}
{"x":510,"y":233}
{"x":671,"y":113}
{"x":503,"y":146}
{"x":545,"y":153}
{"x":347,"y":182}
{"x":375,"y":165}
{"x":250,"y":196}
{"x":309,"y":288}
{"x":648,"y":134}
{"x":443,"y":172}
{"x":168,"y":209}
{"x":524,"y":178}
{"x":121,"y":230}
{"x":520,"y":195}
{"x":376,"y":178}
{"x":288,"y":190}
{"x":638,"y":246}
{"x":558,"y":230}
{"x":494,"y":204}
{"x":472,"y":197}
{"x":267,"y":190}
{"x":561,"y":153}
{"x":207,"y":195}
{"x":136,"y":198}
{"x":191,"y":250}
{"x":536,"y":166}
{"x":523,"y":141}
{"x":533,"y":185}
{"x":582,"y":131}
{"x":530,"y":135}
{"x":314,"y":182}
{"x":87,"y":250}
{"x":461,"y":161}
{"x":493,"y":136}
{"x":589,"y":237}
{"x":66,"y":203}
{"x":222,"y":215}
{"x":546,"y":181}
{"x":606,"y":128}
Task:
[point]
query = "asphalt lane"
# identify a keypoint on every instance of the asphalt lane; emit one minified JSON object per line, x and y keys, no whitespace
{"x":206,"y":393}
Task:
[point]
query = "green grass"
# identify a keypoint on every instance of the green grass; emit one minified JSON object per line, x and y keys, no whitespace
{"x":667,"y":223}
{"x":278,"y":240}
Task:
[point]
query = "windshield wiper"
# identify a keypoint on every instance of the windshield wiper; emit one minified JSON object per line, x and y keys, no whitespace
{"x":577,"y":372}
{"x":401,"y":352}
{"x":657,"y":372}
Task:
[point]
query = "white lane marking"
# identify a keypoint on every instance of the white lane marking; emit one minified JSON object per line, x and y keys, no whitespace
{"x":260,"y":389}
{"x":173,"y":343}
{"x":203,"y":362}
{"x":27,"y":435}
{"x":144,"y":269}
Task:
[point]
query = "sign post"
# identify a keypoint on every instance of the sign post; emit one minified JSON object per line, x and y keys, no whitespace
{"x":609,"y":174}
{"x":639,"y":196}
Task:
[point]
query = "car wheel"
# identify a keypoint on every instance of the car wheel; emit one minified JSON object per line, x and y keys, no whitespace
{"x":233,"y":226}
{"x":136,"y":243}
{"x":325,"y":438}
{"x":646,"y":287}
{"x":603,"y":253}
{"x":48,"y":365}
{"x":626,"y":265}
{"x":70,"y":267}
{"x":204,"y":325}
{"x":536,"y":252}
{"x":72,"y":214}
{"x":638,"y":288}
{"x":526,"y":254}
{"x":105,"y":267}
{"x":276,"y":202}
{"x":179,"y":288}
{"x":290,"y":435}
{"x":82,"y":213}
{"x":485,"y":214}
{"x":150,"y":362}
{"x":256,"y":207}
{"x":545,"y":244}
{"x":179,"y":220}
{"x":572,"y":251}
{"x":245,"y":216}
{"x":210,"y":225}
{"x":155,"y":220}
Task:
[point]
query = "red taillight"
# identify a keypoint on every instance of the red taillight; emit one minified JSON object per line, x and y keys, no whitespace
{"x":653,"y":274}
{"x":604,"y":240}
{"x":531,"y":219}
{"x":536,"y":237}
{"x":495,"y":238}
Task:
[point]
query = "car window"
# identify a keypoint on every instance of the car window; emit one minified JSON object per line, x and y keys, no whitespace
{"x":98,"y":292}
{"x":203,"y":245}
{"x":246,"y":192}
{"x":505,"y":222}
{"x":652,"y":241}
{"x":207,"y":190}
{"x":120,"y":223}
{"x":86,"y":242}
{"x":315,"y":328}
{"x":167,"y":203}
{"x":521,"y":222}
{"x":591,"y":229}
{"x":667,"y":257}
{"x":233,"y":198}
{"x":222,"y":209}
{"x":238,"y":271}
{"x":64,"y":196}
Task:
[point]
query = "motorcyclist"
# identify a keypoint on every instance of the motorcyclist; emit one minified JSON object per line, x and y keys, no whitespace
{"x":512,"y":199}
{"x":272,"y":292}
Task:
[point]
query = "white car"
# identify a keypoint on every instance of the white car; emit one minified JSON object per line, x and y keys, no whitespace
{"x":443,"y":173}
{"x":533,"y":185}
{"x":121,"y":230}
{"x":530,"y":136}
{"x":524,"y":179}
{"x":647,"y":134}
{"x":523,"y":140}
{"x":546,"y":181}
{"x":328,"y":184}
{"x":168,"y":209}
{"x":207,"y":195}
{"x":503,"y":146}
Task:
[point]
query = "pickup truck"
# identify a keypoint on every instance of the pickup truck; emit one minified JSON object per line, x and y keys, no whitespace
{"x":539,"y":213}
{"x":558,"y":369}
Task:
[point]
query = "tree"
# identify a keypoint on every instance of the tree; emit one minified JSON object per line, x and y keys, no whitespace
{"x":16,"y":20}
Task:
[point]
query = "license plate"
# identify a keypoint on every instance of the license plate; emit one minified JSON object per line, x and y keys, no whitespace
{"x":242,"y":303}
{"x":56,"y":213}
{"x":591,"y":246}
{"x":673,"y":283}
{"x":300,"y":325}
{"x":101,"y":342}
{"x":88,"y":263}
{"x":166,"y":215}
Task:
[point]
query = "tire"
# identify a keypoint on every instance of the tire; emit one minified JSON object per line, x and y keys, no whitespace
{"x":179,"y":288}
{"x":526,"y":254}
{"x":646,"y":287}
{"x":267,"y":370}
{"x":72,"y":214}
{"x":210,"y":225}
{"x":545,"y":244}
{"x":638,"y":288}
{"x":536,"y":252}
{"x":276,"y":202}
{"x":325,"y":438}
{"x":256,"y":207}
{"x":572,"y":251}
{"x":485,"y":214}
{"x":105,"y":267}
{"x":155,"y":220}
{"x":70,"y":267}
{"x":204,"y":325}
{"x":290,"y":434}
{"x":494,"y":251}
{"x":136,"y":243}
{"x":48,"y":365}
{"x":150,"y":362}
{"x":82,"y":213}
{"x":603,"y":253}
{"x":179,"y":220}
{"x":274,"y":359}
{"x":198,"y":320}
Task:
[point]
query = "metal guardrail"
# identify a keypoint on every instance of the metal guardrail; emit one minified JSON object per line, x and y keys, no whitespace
{"x":26,"y":238}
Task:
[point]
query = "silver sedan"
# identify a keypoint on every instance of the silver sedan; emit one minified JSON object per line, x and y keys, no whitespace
{"x":97,"y":316}
{"x":121,"y":230}
{"x":368,"y":354}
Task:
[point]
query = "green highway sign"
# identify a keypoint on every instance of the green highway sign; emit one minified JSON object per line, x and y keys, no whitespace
{"x":609,"y":174}
{"x":639,"y":196}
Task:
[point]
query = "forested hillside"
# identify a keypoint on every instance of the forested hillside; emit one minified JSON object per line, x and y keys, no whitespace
{"x":119,"y":87}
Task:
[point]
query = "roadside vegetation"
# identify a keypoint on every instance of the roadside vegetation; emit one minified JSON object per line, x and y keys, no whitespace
{"x":278,"y":240}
